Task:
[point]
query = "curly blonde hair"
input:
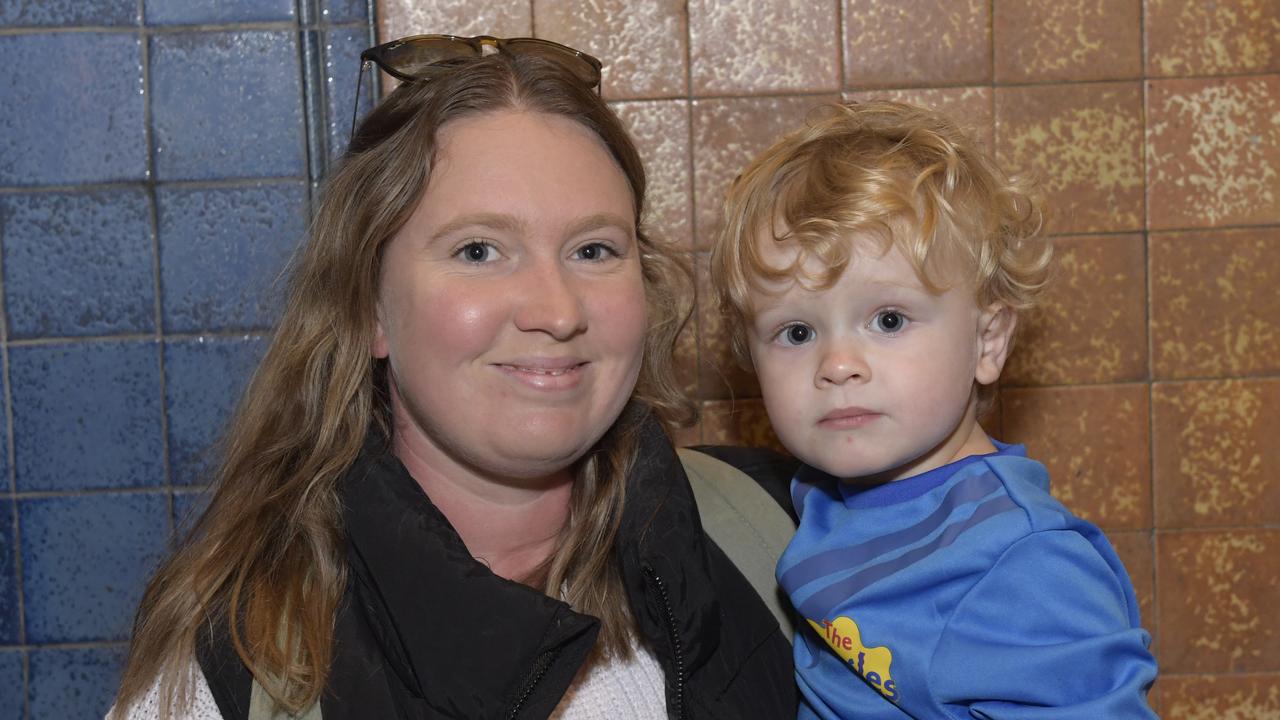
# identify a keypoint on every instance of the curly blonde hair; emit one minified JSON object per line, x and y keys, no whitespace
{"x":895,"y":173}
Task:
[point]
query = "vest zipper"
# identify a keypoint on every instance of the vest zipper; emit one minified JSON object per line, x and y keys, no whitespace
{"x":540,"y":667}
{"x":677,"y":650}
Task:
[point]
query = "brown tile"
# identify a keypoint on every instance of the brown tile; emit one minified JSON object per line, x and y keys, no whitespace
{"x":760,"y":46}
{"x":1219,"y":697}
{"x":1217,"y":594}
{"x":642,"y":44}
{"x":741,"y":422}
{"x":729,"y":134}
{"x":1094,"y":442}
{"x":398,"y":18}
{"x":660,"y":129}
{"x":970,"y":107}
{"x":1135,"y":550}
{"x":720,"y":376}
{"x":1217,"y":38}
{"x":916,"y":43}
{"x":1091,"y":326}
{"x":1213,"y":152}
{"x":1084,"y":144}
{"x":1214,"y":306}
{"x":991,"y":420}
{"x":1038,"y":40}
{"x":1215,"y":451}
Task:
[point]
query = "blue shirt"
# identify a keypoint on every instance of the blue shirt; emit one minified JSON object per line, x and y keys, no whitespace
{"x":967,"y":587}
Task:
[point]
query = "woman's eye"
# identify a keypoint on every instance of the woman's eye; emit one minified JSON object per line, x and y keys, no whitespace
{"x":889,"y":321}
{"x":797,"y":334}
{"x":595,"y":251}
{"x":476,"y":252}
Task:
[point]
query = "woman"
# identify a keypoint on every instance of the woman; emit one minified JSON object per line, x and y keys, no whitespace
{"x":445,"y":493}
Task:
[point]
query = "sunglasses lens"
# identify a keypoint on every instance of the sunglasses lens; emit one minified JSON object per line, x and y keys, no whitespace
{"x":581,"y":65}
{"x":413,"y":57}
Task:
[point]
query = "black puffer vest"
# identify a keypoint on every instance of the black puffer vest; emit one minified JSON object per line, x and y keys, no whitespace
{"x":425,"y":631}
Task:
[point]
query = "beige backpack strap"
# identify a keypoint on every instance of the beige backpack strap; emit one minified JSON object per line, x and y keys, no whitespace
{"x":263,"y":707}
{"x":746,"y":523}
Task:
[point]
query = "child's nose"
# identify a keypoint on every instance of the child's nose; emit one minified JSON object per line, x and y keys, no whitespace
{"x":841,"y":365}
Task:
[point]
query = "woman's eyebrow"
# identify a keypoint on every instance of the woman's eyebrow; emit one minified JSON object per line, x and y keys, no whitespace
{"x":601,"y":220}
{"x":492,"y":221}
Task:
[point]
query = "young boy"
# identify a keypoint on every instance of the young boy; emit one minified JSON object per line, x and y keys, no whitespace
{"x":875,"y":263}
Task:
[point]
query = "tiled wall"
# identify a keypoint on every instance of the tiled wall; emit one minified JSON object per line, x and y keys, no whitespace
{"x":1150,"y":384}
{"x":157,"y":159}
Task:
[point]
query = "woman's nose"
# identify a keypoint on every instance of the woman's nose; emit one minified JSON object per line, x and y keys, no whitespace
{"x":841,"y":363}
{"x":551,"y":302}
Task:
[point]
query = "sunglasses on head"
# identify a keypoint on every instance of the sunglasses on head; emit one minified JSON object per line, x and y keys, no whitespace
{"x":417,"y":57}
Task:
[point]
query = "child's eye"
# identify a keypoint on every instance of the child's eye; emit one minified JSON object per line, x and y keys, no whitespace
{"x":889,"y":321}
{"x":477,"y":252}
{"x":795,"y":334}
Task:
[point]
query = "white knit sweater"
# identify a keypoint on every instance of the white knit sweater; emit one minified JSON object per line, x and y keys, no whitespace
{"x":613,"y":690}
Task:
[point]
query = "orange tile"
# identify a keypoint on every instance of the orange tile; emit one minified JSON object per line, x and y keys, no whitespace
{"x":642,"y":44}
{"x":398,"y":18}
{"x":1091,"y":325}
{"x":729,"y":134}
{"x":1095,"y":443}
{"x":969,"y":107}
{"x":1214,"y":306}
{"x":684,"y":437}
{"x":1135,"y":550}
{"x":721,"y":376}
{"x":741,"y":422}
{"x":660,"y":129}
{"x":1213,"y":152}
{"x":1217,"y":38}
{"x":762,"y":46}
{"x":1039,"y":40}
{"x":909,"y":43}
{"x":1215,"y":451}
{"x":1217,"y":594}
{"x":1084,"y":144}
{"x":1220,"y":697}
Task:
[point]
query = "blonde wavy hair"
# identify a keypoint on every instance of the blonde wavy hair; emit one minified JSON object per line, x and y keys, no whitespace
{"x":894,"y":173}
{"x":267,"y":557}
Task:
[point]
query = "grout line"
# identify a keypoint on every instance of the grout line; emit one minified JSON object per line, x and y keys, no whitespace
{"x":87,"y":645}
{"x":153,"y":208}
{"x":1153,"y":539}
{"x":842,"y":32}
{"x":695,"y":320}
{"x":128,"y":184}
{"x":166,"y":337}
{"x":92,"y":491}
{"x":533,"y":22}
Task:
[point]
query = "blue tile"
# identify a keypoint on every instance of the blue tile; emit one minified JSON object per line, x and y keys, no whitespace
{"x":86,"y":560}
{"x":226,"y":104}
{"x":346,"y":10}
{"x":342,"y":50}
{"x":9,"y":620}
{"x":86,"y":415}
{"x":72,"y":109}
{"x":74,"y":683}
{"x":221,"y":252}
{"x":66,"y":13}
{"x":179,"y":12}
{"x":78,"y":264}
{"x":203,"y":380}
{"x":12,"y":690}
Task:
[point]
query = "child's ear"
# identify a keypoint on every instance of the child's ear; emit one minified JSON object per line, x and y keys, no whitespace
{"x":995,"y":338}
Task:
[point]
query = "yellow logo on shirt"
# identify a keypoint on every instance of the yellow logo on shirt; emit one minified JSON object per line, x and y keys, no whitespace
{"x":872,"y":664}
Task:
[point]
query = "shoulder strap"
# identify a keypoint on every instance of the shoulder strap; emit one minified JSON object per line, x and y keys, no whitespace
{"x":263,"y":707}
{"x":746,"y":523}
